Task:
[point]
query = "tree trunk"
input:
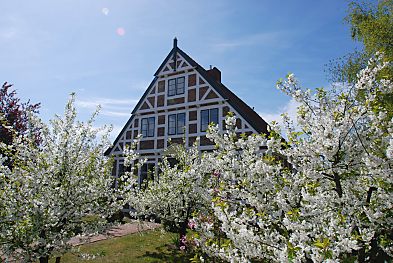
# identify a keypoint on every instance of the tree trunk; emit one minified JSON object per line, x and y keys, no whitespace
{"x":58,"y":259}
{"x":338,"y":188}
{"x":369,"y":193}
{"x":44,"y":259}
{"x":182,"y":232}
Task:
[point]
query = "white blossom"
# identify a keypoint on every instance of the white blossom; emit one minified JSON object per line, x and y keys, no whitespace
{"x":55,"y":190}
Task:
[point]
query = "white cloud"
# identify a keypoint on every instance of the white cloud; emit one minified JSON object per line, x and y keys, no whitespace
{"x":7,"y":33}
{"x":92,"y":103}
{"x":116,"y":113}
{"x":109,"y":107}
{"x":290,"y":108}
{"x":276,"y":39}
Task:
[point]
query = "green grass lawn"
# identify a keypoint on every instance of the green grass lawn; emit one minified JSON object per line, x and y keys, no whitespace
{"x":148,"y":246}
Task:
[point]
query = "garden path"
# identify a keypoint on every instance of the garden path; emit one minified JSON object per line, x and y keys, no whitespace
{"x":117,"y":231}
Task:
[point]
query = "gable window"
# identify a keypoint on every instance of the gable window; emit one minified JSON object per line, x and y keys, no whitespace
{"x":207,"y":117}
{"x":176,"y":86}
{"x":147,"y":127}
{"x":176,"y":123}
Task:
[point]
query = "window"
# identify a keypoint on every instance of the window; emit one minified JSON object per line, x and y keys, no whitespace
{"x":171,"y":87}
{"x":207,"y":117}
{"x":176,"y":123}
{"x":176,"y":86}
{"x":181,"y":123}
{"x":172,"y":124}
{"x":204,"y":120}
{"x":147,"y":174}
{"x":147,"y":127}
{"x":180,"y":85}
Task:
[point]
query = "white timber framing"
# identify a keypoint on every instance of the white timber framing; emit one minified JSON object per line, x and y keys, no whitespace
{"x":154,"y":154}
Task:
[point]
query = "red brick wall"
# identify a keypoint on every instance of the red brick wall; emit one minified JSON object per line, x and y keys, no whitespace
{"x":192,"y":128}
{"x":145,"y":106}
{"x":177,"y":140}
{"x":175,"y":101}
{"x":143,"y":145}
{"x":161,"y":119}
{"x":192,"y":115}
{"x":160,"y":144}
{"x":160,"y":100}
{"x":128,"y":135}
{"x":191,"y":95}
{"x":161,"y":131}
{"x":211,"y":95}
{"x":225,"y":111}
{"x":152,"y":100}
{"x":135,"y":134}
{"x":161,"y":86}
{"x":191,"y":80}
{"x":202,"y":91}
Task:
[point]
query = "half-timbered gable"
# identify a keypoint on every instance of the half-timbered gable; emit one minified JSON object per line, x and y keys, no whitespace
{"x":179,"y":103}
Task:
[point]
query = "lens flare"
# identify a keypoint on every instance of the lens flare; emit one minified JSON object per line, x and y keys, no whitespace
{"x":105,"y":11}
{"x":120,"y":31}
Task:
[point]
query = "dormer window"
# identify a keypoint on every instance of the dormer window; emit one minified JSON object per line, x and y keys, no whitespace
{"x":176,"y":86}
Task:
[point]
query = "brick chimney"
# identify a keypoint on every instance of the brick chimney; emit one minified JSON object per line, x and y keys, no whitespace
{"x":215,"y":73}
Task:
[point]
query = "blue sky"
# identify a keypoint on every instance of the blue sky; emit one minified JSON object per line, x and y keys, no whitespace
{"x":107,"y":51}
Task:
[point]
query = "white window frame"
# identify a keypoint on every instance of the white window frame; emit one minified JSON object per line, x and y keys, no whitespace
{"x":178,"y":129}
{"x":150,"y":124}
{"x":176,"y":86}
{"x":204,"y":126}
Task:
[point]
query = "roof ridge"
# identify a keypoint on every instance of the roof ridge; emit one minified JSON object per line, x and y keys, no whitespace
{"x":252,"y":117}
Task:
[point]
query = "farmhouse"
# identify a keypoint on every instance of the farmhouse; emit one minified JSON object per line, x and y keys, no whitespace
{"x":179,"y":104}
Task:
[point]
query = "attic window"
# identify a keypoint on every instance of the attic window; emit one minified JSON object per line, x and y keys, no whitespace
{"x":176,"y":86}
